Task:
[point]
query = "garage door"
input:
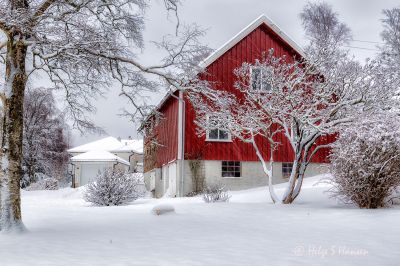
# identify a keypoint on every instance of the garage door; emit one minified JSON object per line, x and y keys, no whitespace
{"x":90,"y":171}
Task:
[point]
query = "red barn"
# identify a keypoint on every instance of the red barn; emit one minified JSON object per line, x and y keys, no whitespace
{"x":177,"y":161}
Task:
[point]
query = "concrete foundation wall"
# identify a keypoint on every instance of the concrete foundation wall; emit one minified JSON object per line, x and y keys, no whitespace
{"x":252,"y":175}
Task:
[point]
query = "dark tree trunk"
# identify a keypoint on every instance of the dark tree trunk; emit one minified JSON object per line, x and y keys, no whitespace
{"x":12,"y":128}
{"x":290,"y":197}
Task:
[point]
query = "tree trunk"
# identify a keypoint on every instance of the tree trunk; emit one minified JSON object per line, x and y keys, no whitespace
{"x":268,"y":172}
{"x":289,"y":196}
{"x":12,"y":128}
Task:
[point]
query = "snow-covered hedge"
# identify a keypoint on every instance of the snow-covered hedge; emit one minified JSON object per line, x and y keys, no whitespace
{"x":215,"y":193}
{"x":48,"y":183}
{"x":114,"y":187}
{"x":366,"y":162}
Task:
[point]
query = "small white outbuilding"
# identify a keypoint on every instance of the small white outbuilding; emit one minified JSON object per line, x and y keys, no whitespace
{"x":88,"y":159}
{"x":89,"y":164}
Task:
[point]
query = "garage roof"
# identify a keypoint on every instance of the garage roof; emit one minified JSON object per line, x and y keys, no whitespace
{"x":98,"y":156}
{"x":111,"y":144}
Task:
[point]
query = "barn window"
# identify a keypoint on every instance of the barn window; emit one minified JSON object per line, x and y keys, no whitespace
{"x":231,"y":169}
{"x":259,"y":79}
{"x":214,"y":133}
{"x":286,"y":169}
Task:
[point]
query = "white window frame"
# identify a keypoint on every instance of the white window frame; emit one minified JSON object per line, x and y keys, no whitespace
{"x":229,"y":139}
{"x":261,"y":89}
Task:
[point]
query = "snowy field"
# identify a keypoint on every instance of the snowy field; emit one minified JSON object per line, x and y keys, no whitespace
{"x":249,"y":230}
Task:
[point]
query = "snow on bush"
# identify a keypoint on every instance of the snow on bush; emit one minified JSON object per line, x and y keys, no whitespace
{"x":48,"y":183}
{"x":114,"y":187}
{"x":366,"y":162}
{"x":163,"y":209}
{"x":215,"y":193}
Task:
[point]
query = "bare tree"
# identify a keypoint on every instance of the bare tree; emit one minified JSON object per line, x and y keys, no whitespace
{"x":391,"y":32}
{"x":390,"y":51}
{"x":325,"y":32}
{"x":82,"y":47}
{"x":44,"y":138}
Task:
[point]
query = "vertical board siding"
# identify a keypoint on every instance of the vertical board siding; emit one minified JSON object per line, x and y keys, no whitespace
{"x":165,"y":134}
{"x":250,"y":48}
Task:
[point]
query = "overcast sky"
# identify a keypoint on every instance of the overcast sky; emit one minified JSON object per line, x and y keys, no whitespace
{"x":225,"y":18}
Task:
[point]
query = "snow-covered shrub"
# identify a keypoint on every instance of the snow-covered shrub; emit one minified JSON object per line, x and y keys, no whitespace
{"x":215,"y":193}
{"x":48,"y":183}
{"x":366,"y":162}
{"x":114,"y":187}
{"x":163,"y":209}
{"x":395,"y":197}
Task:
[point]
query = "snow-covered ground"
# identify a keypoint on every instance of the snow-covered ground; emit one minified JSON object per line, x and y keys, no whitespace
{"x":249,"y":230}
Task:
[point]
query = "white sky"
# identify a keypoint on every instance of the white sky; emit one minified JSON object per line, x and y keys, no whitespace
{"x":225,"y":18}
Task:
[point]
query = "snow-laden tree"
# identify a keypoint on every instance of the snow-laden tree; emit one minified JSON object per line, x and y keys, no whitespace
{"x":114,"y":187}
{"x":82,"y":47}
{"x":44,"y":137}
{"x":366,"y":161}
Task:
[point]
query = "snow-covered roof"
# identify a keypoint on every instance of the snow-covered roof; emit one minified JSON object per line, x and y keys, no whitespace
{"x":105,"y":144}
{"x":111,"y":144}
{"x":131,"y":145}
{"x":263,"y":19}
{"x":98,"y":156}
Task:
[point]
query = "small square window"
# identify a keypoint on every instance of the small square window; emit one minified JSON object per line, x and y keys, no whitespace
{"x":286,"y":169}
{"x":231,"y":169}
{"x":215,"y":133}
{"x":259,"y":79}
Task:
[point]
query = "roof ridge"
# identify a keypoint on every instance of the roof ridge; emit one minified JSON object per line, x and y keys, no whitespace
{"x":262,"y":19}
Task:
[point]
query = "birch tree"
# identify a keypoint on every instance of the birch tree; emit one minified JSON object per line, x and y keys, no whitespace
{"x":324,"y":31}
{"x":82,"y":47}
{"x":391,"y":32}
{"x":390,"y":51}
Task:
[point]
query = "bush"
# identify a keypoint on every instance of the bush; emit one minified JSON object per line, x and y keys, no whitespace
{"x":48,"y":183}
{"x":114,"y":187}
{"x":366,"y":163}
{"x":215,"y":193}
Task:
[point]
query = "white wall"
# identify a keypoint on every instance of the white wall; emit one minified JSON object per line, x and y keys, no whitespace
{"x":87,"y":171}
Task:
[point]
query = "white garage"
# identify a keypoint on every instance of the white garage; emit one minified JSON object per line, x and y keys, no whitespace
{"x":87,"y":165}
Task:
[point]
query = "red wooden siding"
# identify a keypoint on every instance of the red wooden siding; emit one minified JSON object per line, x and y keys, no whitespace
{"x":165,"y":133}
{"x":261,"y":40}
